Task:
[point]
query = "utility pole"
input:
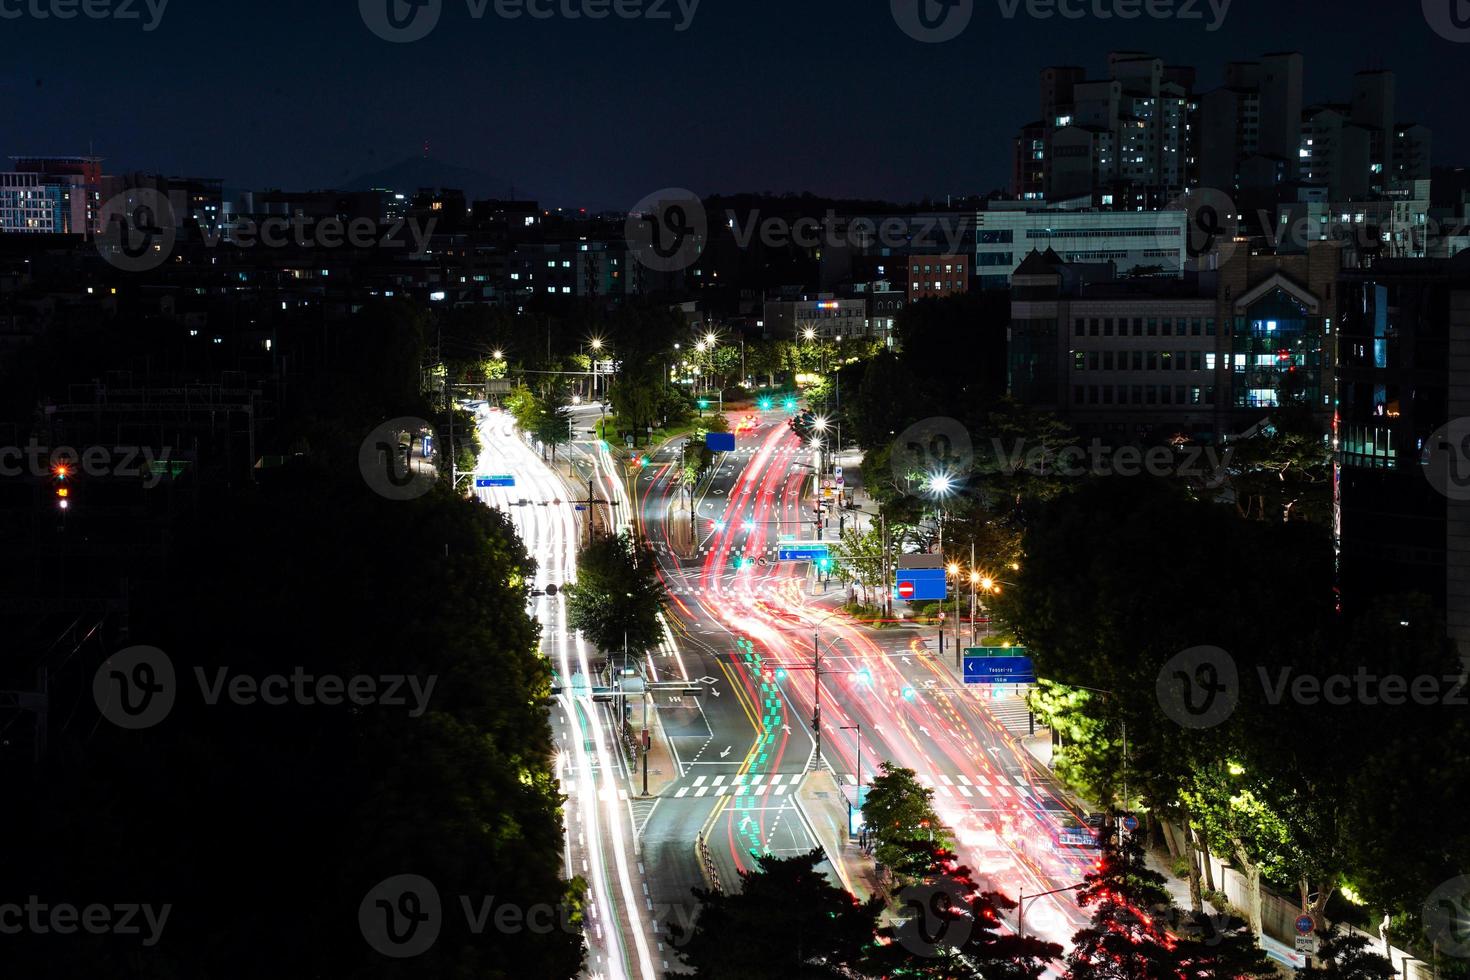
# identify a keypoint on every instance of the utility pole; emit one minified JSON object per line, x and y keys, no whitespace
{"x":817,"y":698}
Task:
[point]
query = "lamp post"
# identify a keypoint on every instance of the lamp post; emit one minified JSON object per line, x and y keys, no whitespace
{"x":1023,"y":898}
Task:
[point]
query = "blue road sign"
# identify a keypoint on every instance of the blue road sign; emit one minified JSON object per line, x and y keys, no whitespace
{"x":1130,"y":823}
{"x":805,"y":553}
{"x":1305,"y":925}
{"x":719,"y":442}
{"x":999,"y":670}
{"x":922,"y":584}
{"x":482,"y":482}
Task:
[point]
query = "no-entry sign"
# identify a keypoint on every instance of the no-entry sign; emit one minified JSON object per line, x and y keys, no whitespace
{"x":906,"y":589}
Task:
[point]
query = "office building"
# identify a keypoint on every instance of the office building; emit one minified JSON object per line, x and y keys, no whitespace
{"x":1403,"y":373}
{"x":938,"y":275}
{"x":1151,"y":360}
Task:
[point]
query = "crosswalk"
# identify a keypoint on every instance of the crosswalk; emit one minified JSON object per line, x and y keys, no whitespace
{"x":991,"y":786}
{"x":979,"y":786}
{"x":741,"y":784}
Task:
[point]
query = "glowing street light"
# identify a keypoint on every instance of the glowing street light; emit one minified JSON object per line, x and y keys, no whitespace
{"x":941,"y":484}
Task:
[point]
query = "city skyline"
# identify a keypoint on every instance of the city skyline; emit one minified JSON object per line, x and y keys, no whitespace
{"x":767,"y":80}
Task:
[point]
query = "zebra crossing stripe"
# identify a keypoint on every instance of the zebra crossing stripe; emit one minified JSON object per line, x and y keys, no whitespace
{"x":963,"y":780}
{"x":699,"y":780}
{"x":947,"y":780}
{"x":966,"y":791}
{"x":780,"y":790}
{"x":682,"y":791}
{"x":701,"y":791}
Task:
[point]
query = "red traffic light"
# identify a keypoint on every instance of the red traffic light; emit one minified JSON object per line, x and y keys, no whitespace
{"x":61,"y":471}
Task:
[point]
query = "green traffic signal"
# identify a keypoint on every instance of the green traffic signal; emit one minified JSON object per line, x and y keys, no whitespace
{"x":765,"y":404}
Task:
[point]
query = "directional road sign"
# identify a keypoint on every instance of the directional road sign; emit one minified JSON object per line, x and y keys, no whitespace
{"x":999,"y":670}
{"x":496,"y":480}
{"x":720,"y":442}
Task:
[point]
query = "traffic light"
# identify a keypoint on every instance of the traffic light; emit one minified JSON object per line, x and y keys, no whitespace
{"x":765,"y":404}
{"x":780,"y":673}
{"x":61,"y":487}
{"x":865,"y":676}
{"x":908,"y":693}
{"x":790,"y":404}
{"x":703,"y":404}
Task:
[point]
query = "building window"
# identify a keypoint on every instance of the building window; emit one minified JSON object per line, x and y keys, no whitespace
{"x":1079,"y":361}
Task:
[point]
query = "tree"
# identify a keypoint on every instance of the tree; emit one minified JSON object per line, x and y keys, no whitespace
{"x":1343,"y":955}
{"x":899,"y":814}
{"x":952,"y":932}
{"x":860,"y":556}
{"x":787,"y":920}
{"x":1127,"y":939}
{"x":618,"y":595}
{"x":1283,"y":472}
{"x":554,"y":426}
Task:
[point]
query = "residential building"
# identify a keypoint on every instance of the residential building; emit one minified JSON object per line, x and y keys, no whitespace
{"x":938,"y":275}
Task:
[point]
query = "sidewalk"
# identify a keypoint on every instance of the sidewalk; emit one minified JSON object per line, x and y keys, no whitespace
{"x":824,"y":807}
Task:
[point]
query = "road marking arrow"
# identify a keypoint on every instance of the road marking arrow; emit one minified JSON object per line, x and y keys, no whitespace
{"x":924,"y":730}
{"x":726,"y":752}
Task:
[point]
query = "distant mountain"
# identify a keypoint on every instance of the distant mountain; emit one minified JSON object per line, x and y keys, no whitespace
{"x":410,"y":174}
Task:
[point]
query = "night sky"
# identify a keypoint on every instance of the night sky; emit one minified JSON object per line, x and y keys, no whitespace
{"x":822,"y":95}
